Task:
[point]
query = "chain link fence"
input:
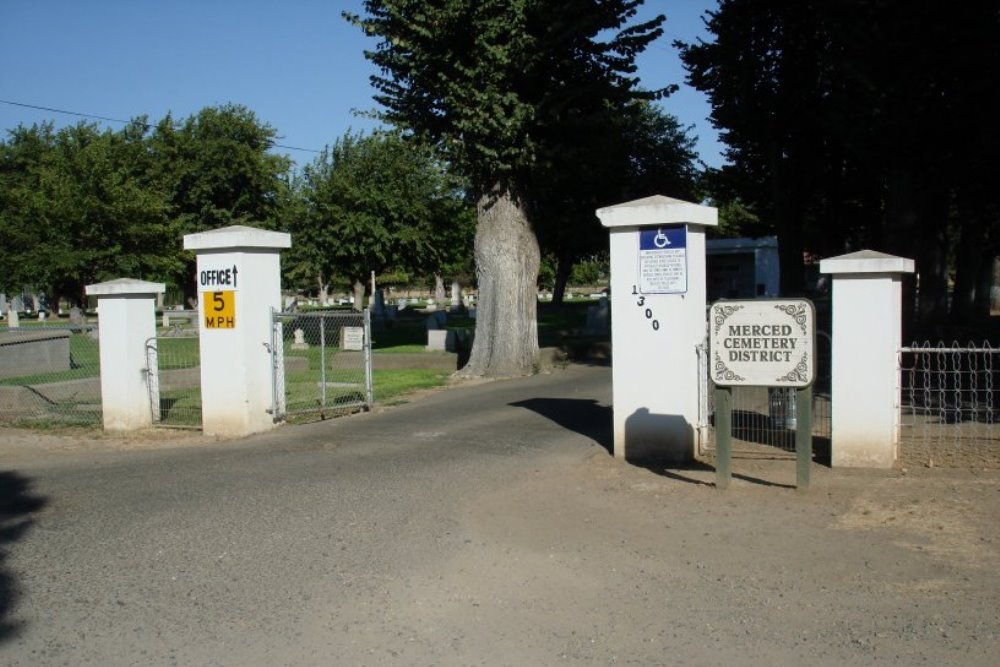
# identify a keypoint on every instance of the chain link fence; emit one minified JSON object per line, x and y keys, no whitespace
{"x":321,"y":363}
{"x":50,"y":375}
{"x":947,"y":407}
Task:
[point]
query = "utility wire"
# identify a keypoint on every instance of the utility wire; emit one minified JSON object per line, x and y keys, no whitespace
{"x":119,"y":120}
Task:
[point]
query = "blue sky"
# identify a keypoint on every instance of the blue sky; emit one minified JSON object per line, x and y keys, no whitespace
{"x":296,"y":63}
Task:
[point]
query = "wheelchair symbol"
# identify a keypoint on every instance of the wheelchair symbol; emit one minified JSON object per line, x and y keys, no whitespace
{"x":660,"y":240}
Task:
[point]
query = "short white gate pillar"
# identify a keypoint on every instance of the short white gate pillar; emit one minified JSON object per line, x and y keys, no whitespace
{"x":127,"y":312}
{"x":239,"y":283}
{"x":867,"y":326}
{"x":657,"y":323}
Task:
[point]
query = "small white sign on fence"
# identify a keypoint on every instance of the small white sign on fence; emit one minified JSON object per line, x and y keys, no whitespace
{"x":764,"y":342}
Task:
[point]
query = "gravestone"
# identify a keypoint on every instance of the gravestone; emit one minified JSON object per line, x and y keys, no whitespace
{"x":41,"y":316}
{"x":17,"y":304}
{"x":12,"y":319}
{"x":599,"y":318}
{"x":76,"y":317}
{"x":300,"y":340}
{"x":440,"y":340}
{"x":378,"y":303}
{"x":456,"y":296}
{"x":352,"y":338}
{"x":402,"y":304}
{"x":3,"y":303}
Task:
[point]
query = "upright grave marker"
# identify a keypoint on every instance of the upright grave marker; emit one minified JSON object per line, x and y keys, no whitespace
{"x":657,"y":323}
{"x":239,"y":284}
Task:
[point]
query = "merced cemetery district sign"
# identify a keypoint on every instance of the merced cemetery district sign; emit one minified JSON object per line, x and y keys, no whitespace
{"x":764,"y":342}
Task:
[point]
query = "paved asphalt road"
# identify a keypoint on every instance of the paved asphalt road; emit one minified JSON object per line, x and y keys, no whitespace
{"x":480,"y":526}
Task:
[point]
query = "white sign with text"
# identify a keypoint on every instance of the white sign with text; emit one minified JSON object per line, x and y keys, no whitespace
{"x":764,"y":342}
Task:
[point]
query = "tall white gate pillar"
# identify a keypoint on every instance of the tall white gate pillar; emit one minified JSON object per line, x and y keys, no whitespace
{"x":867,"y":326}
{"x":657,"y":322}
{"x":239,"y":283}
{"x":127,"y":321}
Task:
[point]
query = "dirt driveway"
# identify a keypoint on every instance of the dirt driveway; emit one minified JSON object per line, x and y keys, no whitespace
{"x":494,"y":535}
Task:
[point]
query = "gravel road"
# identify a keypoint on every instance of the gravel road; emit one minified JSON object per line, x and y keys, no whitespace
{"x":484,"y":525}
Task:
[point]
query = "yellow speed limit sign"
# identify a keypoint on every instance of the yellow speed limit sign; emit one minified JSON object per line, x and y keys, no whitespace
{"x":220,"y":310}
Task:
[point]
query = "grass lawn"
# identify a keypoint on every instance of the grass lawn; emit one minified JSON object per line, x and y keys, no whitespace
{"x":304,"y":383}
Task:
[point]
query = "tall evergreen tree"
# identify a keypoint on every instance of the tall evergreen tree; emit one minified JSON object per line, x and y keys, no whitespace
{"x":495,"y":84}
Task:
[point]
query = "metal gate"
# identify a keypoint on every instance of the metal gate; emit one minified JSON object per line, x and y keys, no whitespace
{"x":174,"y":379}
{"x":763,"y":418}
{"x":947,"y":411}
{"x":321,"y":363}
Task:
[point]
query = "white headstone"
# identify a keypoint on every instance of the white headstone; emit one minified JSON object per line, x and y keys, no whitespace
{"x":12,"y":319}
{"x":299,"y":342}
{"x":352,"y":338}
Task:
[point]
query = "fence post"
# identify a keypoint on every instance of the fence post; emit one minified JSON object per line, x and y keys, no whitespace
{"x":657,"y":322}
{"x":867,"y":320}
{"x":126,"y":309}
{"x":239,"y":283}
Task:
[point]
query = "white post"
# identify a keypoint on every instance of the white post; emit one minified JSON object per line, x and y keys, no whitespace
{"x":127,"y":321}
{"x":867,"y":325}
{"x":239,"y":283}
{"x":657,"y":322}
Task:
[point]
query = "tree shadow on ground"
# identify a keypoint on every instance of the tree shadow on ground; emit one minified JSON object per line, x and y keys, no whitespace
{"x":584,"y":416}
{"x":17,"y":503}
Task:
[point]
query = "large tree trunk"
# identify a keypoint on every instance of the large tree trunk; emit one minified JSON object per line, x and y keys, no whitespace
{"x":438,"y":289}
{"x":324,"y":288}
{"x":507,"y":261}
{"x":564,"y":267}
{"x":359,"y":296}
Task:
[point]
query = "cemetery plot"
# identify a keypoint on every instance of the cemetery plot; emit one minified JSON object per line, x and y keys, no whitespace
{"x":322,"y":363}
{"x":52,"y":376}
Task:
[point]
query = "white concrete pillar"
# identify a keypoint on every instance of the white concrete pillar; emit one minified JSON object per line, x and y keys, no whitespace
{"x":867,"y":326}
{"x":657,"y":321}
{"x":127,"y":322}
{"x":239,"y":283}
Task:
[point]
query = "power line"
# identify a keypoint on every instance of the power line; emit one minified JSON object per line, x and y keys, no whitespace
{"x":119,"y":120}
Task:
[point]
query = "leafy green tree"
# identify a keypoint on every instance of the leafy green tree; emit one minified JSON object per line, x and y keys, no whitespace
{"x":642,"y":151}
{"x":79,"y":207}
{"x":376,"y":203}
{"x":862,"y":123}
{"x":495,"y":84}
{"x":216,"y":170}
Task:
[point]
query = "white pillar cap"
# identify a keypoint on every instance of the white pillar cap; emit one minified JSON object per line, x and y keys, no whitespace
{"x":125,"y":286}
{"x":866,"y":261}
{"x":237,"y":236}
{"x":657,"y":210}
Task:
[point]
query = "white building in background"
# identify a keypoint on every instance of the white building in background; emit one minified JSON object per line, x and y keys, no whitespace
{"x":742,"y":268}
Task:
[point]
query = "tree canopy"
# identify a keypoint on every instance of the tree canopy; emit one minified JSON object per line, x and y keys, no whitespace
{"x":861,"y":123}
{"x":81,"y":205}
{"x":505,"y":88}
{"x":375,"y":203}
